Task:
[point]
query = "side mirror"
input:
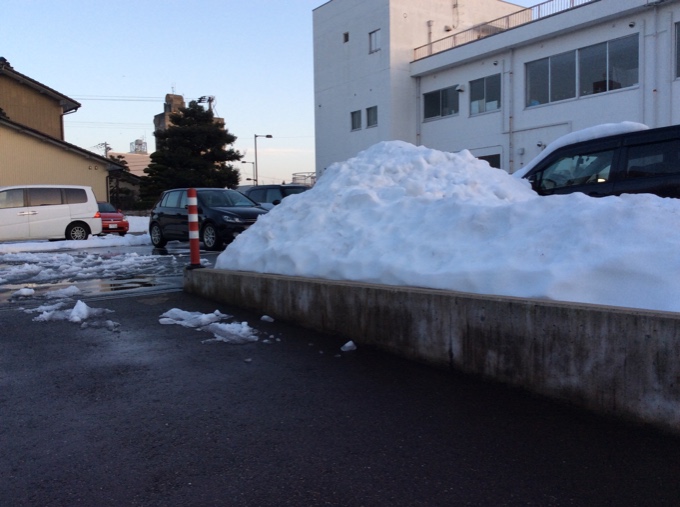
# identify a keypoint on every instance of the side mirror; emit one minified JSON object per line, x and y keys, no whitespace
{"x":276,"y":201}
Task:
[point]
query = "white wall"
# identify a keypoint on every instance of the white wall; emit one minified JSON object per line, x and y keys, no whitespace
{"x":347,"y":78}
{"x":517,"y":130}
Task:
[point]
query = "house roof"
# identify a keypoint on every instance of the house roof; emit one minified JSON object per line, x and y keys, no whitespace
{"x":67,"y":104}
{"x":23,"y":129}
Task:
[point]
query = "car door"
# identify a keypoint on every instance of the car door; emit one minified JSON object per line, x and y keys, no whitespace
{"x":170,"y":213}
{"x":13,"y":215}
{"x":48,"y":215}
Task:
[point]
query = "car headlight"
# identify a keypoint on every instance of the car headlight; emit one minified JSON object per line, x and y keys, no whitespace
{"x":232,"y":219}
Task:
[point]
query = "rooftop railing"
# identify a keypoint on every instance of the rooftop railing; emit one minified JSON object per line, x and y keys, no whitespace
{"x":519,"y":18}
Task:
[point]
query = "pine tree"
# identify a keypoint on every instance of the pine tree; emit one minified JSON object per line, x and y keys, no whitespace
{"x":193,"y":152}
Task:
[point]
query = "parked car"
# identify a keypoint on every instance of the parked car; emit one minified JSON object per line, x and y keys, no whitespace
{"x":113,"y":220}
{"x":48,"y":212}
{"x":223,"y":214}
{"x":644,"y":161}
{"x":269,"y":196}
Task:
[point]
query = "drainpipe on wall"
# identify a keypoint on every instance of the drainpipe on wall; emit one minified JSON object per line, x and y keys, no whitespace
{"x":418,"y":113}
{"x":511,"y":110}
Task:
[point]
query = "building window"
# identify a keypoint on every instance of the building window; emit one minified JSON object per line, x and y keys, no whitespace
{"x":374,"y":41}
{"x":608,"y":66}
{"x":345,"y":37}
{"x":493,"y":160}
{"x":602,"y":67}
{"x":485,"y":94}
{"x":440,"y":103}
{"x":356,"y":120}
{"x":372,"y":116}
{"x":551,"y":79}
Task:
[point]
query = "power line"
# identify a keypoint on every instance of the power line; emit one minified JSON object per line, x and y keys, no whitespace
{"x":119,"y":98}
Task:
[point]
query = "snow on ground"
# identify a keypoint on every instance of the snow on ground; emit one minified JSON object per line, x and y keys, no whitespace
{"x":398,"y":214}
{"x":139,"y":225}
{"x":41,"y":262}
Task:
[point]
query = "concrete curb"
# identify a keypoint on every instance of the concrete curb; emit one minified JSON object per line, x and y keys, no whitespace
{"x":616,"y":361}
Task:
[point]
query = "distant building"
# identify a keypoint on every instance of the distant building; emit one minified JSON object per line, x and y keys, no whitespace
{"x":498,"y":79}
{"x":32,"y":145}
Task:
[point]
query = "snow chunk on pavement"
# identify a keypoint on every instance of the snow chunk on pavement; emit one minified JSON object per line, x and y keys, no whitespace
{"x":63,"y":293}
{"x":25,"y":292}
{"x":192,"y":319}
{"x":235,"y":333}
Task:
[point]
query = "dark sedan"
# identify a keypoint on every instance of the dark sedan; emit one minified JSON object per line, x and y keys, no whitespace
{"x":223,"y":214}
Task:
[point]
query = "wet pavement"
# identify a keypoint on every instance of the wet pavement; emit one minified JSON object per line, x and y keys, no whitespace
{"x":97,"y":270}
{"x":148,"y":414}
{"x":129,"y":411}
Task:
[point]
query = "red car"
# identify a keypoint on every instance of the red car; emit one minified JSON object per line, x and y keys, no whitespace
{"x":113,"y":220}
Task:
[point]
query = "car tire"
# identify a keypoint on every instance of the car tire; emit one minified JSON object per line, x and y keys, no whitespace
{"x":121,"y":234}
{"x":77,"y":231}
{"x":211,"y":238}
{"x":157,"y":239}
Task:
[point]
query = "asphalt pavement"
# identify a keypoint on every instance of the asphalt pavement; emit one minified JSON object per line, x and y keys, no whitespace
{"x":146,"y":414}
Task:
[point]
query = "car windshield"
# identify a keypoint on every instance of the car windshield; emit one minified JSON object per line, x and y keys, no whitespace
{"x":105,"y":207}
{"x":224,"y":199}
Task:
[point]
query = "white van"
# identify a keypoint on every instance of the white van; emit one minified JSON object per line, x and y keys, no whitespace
{"x":48,"y":212}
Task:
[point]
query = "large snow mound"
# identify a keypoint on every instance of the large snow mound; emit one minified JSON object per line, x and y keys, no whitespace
{"x":399,"y":214}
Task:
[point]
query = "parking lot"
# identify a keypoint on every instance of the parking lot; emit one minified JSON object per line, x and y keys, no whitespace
{"x":142,"y":413}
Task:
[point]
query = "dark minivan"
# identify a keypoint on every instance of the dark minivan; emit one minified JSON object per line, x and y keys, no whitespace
{"x":222,"y":215}
{"x":645,"y":161}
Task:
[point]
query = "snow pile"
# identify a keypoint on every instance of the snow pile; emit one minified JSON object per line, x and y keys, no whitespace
{"x":234,"y":333}
{"x":411,"y":216}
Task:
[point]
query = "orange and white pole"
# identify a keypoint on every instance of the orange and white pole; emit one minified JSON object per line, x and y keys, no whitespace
{"x":194,"y":239}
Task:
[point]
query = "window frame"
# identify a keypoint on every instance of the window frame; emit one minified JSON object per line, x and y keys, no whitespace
{"x":355,"y":120}
{"x":374,"y":41}
{"x":487,"y":82}
{"x":451,"y":91}
{"x":371,"y":119}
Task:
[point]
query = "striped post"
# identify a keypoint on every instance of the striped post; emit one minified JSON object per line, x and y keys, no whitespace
{"x":194,"y":247}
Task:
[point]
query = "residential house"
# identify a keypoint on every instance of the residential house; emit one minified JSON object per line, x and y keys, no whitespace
{"x":32,"y":145}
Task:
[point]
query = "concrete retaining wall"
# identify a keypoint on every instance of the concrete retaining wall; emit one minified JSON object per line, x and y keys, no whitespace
{"x":610,"y":360}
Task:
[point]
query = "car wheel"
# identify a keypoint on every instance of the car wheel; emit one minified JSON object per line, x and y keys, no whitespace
{"x":157,"y":238}
{"x":211,"y":238}
{"x":77,"y":231}
{"x":121,"y":234}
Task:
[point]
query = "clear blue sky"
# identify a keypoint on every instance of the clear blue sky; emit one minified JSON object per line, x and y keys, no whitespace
{"x":120,"y":58}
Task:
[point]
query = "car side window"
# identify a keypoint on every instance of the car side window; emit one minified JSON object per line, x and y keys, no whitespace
{"x":75,"y":195}
{"x":274,"y":194}
{"x":579,"y":169}
{"x":44,"y":196}
{"x":13,"y":198}
{"x":183,"y":200}
{"x":257,"y":195}
{"x":655,"y":159}
{"x":171,"y":200}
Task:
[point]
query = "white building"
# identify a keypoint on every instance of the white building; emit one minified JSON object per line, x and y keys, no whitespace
{"x":498,"y":79}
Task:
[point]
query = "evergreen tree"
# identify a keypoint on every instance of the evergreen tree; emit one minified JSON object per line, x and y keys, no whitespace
{"x":121,"y":197}
{"x":192,"y":152}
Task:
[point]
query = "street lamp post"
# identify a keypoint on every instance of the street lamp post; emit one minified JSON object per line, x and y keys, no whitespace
{"x":268,"y":136}
{"x":253,"y":172}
